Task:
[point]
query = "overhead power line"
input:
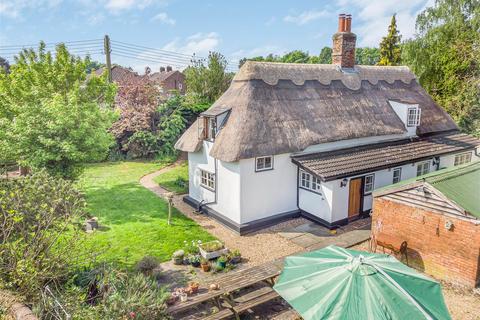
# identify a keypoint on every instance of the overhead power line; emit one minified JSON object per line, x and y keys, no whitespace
{"x":117,"y":48}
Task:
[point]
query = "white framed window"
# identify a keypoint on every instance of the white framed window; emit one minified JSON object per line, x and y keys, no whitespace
{"x":305,"y":179}
{"x":207,"y":180}
{"x":397,"y":175}
{"x":413,"y":117}
{"x":462,"y":158}
{"x":263,"y":163}
{"x":309,"y":181}
{"x":423,"y":168}
{"x":368,"y":184}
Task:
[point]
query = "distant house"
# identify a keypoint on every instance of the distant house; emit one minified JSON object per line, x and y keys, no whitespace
{"x":170,"y":80}
{"x":167,"y":79}
{"x":122,"y":75}
{"x":315,"y":140}
{"x":438,"y":215}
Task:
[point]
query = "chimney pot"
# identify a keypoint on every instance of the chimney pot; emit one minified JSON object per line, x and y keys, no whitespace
{"x":341,"y":22}
{"x":169,"y":68}
{"x":348,"y":23}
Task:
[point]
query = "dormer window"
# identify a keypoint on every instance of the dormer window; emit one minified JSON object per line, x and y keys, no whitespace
{"x":413,"y":117}
{"x":207,"y":128}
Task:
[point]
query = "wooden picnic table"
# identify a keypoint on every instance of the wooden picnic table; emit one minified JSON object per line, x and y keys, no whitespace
{"x":230,"y":283}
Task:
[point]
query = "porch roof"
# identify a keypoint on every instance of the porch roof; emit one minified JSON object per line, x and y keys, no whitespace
{"x":342,"y":163}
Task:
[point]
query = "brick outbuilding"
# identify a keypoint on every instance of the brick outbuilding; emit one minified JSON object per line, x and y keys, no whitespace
{"x":438,"y":215}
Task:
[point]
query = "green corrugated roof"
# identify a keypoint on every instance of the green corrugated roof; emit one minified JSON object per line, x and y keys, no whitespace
{"x":460,"y":184}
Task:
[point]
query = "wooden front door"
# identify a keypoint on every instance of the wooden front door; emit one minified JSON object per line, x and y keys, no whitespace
{"x":355,"y":198}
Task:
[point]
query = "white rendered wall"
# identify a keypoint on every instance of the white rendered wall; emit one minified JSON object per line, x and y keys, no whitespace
{"x":382,"y":178}
{"x":317,"y":204}
{"x":196,"y":161}
{"x":228,"y":190}
{"x":267,"y":193}
{"x":449,"y":160}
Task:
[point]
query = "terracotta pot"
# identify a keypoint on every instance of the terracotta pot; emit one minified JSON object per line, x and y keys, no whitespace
{"x":205,"y":267}
{"x":193,"y":287}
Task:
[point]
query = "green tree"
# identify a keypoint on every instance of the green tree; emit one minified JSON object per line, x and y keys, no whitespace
{"x":390,"y":50}
{"x":367,"y":56}
{"x":325,"y":56}
{"x":52,"y":115}
{"x":207,"y":80}
{"x":445,"y":56}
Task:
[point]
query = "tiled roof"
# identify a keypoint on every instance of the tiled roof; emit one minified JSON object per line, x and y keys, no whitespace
{"x":352,"y":161}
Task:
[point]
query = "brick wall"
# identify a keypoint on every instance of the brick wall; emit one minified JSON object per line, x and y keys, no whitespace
{"x":451,"y":255}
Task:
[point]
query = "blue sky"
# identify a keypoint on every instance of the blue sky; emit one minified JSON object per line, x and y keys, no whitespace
{"x":234,"y":28}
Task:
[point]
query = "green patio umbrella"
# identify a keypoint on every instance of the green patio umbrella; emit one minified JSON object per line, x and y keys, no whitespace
{"x":336,"y":283}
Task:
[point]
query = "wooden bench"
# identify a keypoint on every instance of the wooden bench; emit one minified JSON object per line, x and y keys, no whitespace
{"x":230,"y":283}
{"x":393,"y":243}
{"x":222,"y":314}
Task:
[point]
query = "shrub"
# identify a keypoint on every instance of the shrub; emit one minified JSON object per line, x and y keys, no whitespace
{"x":147,"y":265}
{"x":38,"y":237}
{"x":107,"y":293}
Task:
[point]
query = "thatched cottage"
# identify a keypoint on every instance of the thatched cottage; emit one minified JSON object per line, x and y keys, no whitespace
{"x":315,"y":140}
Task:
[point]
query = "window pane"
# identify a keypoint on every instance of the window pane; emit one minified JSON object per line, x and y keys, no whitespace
{"x":268,"y":162}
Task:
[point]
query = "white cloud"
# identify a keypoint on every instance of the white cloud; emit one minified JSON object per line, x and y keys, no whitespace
{"x":15,"y":8}
{"x":306,"y":17}
{"x":199,"y":43}
{"x":164,"y":18}
{"x":116,"y":6}
{"x":371,"y":22}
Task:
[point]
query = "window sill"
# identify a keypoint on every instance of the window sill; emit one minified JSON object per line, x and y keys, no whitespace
{"x":262,"y":170}
{"x":310,"y":190}
{"x":206,"y":187}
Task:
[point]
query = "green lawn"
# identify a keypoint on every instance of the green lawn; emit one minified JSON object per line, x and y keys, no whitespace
{"x":134,"y":219}
{"x":175,"y":180}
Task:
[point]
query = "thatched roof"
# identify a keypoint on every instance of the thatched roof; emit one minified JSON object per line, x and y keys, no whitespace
{"x":280,"y":108}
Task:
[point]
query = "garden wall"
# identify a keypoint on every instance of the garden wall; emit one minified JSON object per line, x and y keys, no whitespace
{"x":451,"y":255}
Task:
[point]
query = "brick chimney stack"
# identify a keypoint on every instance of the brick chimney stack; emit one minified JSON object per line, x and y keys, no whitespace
{"x":343,"y":51}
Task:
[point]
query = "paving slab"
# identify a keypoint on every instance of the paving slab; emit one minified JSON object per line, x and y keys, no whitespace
{"x":306,"y":240}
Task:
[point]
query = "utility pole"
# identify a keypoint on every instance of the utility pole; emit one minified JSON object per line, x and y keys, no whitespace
{"x":108,"y":61}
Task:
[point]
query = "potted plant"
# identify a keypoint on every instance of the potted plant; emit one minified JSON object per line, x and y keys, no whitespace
{"x":193,"y":287}
{"x":177,"y":257}
{"x":213,"y":249}
{"x":204,"y":264}
{"x":194,"y":260}
{"x":235,"y":256}
{"x":222,"y":261}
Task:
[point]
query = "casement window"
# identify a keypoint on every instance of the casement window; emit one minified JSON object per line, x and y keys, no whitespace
{"x":423,"y":168}
{"x":207,"y":180}
{"x":462,"y":158}
{"x":413,"y":117}
{"x":368,"y":184}
{"x":207,"y":128}
{"x":263,"y":163}
{"x":309,"y":181}
{"x":397,"y":175}
{"x":305,"y":180}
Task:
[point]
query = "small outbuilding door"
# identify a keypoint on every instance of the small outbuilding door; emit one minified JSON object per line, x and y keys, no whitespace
{"x":355,"y":198}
